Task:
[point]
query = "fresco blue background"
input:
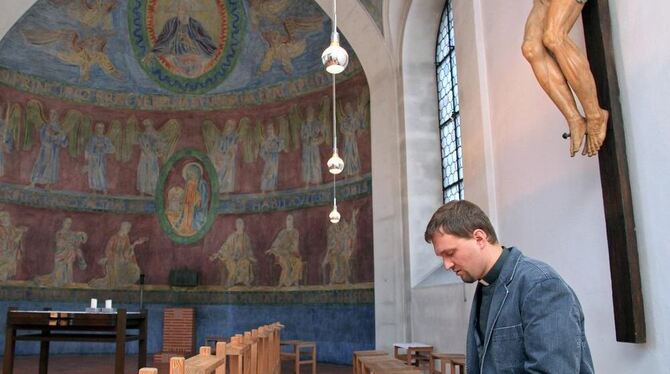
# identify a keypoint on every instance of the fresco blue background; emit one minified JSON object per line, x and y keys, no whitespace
{"x":337,"y":329}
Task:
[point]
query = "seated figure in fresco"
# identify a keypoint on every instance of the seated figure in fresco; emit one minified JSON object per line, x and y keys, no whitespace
{"x":185,"y":42}
{"x":195,"y":201}
{"x":52,"y":138}
{"x":561,"y":68}
{"x":341,"y":239}
{"x":97,"y":149}
{"x":286,"y":249}
{"x":237,"y":257}
{"x":175,"y":205}
{"x":120,"y":264}
{"x":11,"y":246}
{"x":67,"y":253}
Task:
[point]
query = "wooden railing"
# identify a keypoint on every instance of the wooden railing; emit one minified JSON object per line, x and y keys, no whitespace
{"x":255,"y":352}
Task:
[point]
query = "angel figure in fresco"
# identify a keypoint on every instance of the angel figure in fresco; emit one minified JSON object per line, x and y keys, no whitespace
{"x":284,"y":35}
{"x":11,"y":246}
{"x":97,"y":149}
{"x":184,"y":41}
{"x":154,"y":144}
{"x":267,"y":11}
{"x":341,"y":239}
{"x":91,"y":13}
{"x":120,"y":264}
{"x":286,"y":249}
{"x":311,"y":136}
{"x":195,"y":201}
{"x":52,"y":139}
{"x":287,"y":43}
{"x":72,"y":49}
{"x":561,"y":68}
{"x":6,"y":139}
{"x":269,"y":152}
{"x":67,"y":253}
{"x":354,"y":121}
{"x":222,"y":149}
{"x":237,"y":257}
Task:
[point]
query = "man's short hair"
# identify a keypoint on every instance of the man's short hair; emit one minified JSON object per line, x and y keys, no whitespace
{"x":460,"y":218}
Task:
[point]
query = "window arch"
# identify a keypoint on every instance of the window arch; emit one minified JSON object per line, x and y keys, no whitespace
{"x":449,"y":108}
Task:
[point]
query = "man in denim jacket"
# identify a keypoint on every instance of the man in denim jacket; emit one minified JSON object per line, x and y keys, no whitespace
{"x":524,"y":317}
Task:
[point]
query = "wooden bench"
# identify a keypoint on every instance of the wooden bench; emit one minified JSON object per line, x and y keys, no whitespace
{"x":356,"y":363}
{"x":417,"y":354}
{"x":447,"y":359}
{"x":386,"y":365}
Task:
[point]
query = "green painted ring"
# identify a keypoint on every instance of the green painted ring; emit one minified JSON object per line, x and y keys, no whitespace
{"x":213,"y":201}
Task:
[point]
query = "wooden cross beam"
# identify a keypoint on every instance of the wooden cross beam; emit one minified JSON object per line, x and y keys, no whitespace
{"x":621,"y":238}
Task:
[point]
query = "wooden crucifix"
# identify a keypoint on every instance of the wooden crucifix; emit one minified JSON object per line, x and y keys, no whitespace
{"x":622,"y":241}
{"x":562,"y":70}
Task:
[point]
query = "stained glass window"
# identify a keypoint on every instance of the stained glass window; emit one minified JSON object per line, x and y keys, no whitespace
{"x":449,"y":109}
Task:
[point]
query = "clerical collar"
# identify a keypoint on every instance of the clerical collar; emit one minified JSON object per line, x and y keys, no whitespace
{"x":492,"y":276}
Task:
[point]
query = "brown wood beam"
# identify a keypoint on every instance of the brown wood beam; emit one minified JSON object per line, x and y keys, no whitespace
{"x":622,"y":241}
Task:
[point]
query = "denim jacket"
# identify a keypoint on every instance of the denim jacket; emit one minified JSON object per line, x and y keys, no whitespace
{"x":535,"y":324}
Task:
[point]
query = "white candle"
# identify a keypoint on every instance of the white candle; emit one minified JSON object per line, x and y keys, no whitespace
{"x":94,"y":303}
{"x":108,"y":304}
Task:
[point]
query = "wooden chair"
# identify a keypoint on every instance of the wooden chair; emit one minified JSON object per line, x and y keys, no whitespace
{"x":239,"y":355}
{"x":458,"y":363}
{"x":275,"y":346}
{"x":263,"y":349}
{"x":297,"y":349}
{"x":446,"y":359}
{"x":416,"y":354}
{"x":252,"y":341}
{"x":356,"y":363}
{"x":203,"y":363}
{"x":206,"y":363}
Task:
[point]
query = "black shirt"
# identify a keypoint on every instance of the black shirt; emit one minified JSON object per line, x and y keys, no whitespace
{"x":487,"y":292}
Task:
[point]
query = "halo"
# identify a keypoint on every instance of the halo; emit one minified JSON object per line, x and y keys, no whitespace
{"x":188,"y":166}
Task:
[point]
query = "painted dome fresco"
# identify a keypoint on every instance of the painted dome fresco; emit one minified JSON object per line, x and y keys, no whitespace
{"x":223,"y":49}
{"x":185,"y":134}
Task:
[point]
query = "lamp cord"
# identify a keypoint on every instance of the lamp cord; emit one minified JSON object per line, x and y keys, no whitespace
{"x":334,"y":15}
{"x":334,"y":118}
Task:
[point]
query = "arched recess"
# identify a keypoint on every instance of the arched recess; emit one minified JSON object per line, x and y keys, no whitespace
{"x":387,"y":143}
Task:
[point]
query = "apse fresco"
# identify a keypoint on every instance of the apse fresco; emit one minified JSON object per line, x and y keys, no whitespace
{"x":145,"y":136}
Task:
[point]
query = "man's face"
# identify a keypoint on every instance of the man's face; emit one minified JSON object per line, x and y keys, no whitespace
{"x":463,"y":256}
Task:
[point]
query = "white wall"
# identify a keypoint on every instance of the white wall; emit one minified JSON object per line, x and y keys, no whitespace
{"x":546,"y":203}
{"x":551,"y":205}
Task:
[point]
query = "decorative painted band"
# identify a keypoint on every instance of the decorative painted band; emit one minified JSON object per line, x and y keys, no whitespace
{"x":362,"y":293}
{"x":138,"y":101}
{"x":349,"y":189}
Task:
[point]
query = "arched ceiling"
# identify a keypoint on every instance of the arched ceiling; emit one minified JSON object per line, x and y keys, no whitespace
{"x":223,"y":47}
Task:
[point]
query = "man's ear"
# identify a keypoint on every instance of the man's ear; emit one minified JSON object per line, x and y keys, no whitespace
{"x":480,"y":237}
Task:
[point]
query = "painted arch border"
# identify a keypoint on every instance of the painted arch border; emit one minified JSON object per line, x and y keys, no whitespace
{"x":160,"y":196}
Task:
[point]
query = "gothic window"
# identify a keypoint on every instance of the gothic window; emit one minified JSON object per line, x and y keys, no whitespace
{"x":449,"y":117}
